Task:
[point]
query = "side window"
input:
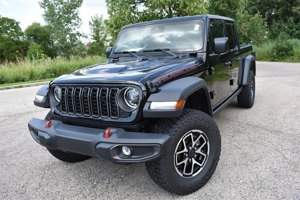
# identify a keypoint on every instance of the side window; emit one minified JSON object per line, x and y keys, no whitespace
{"x":215,"y":31}
{"x":230,"y":35}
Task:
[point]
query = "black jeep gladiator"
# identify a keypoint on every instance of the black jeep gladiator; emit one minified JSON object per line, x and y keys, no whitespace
{"x":153,"y":101}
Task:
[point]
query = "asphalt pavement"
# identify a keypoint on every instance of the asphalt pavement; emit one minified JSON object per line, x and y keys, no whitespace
{"x":260,"y":156}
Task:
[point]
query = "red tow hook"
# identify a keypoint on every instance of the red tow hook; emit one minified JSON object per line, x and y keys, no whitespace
{"x":48,"y":124}
{"x":107,"y":133}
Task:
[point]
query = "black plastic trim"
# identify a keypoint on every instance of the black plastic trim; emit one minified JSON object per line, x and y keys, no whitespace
{"x":44,"y":92}
{"x":227,"y":101}
{"x":245,"y":68}
{"x":91,"y":141}
{"x":173,"y":91}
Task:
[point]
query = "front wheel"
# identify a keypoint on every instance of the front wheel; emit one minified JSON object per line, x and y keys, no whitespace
{"x":63,"y":155}
{"x":191,"y":155}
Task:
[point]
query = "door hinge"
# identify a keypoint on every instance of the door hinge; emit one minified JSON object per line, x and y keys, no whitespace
{"x":212,"y":94}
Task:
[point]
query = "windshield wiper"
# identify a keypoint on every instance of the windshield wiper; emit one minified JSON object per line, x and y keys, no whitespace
{"x":162,"y":50}
{"x":128,"y":52}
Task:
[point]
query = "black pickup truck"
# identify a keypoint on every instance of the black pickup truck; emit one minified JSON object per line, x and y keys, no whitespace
{"x":153,"y":101}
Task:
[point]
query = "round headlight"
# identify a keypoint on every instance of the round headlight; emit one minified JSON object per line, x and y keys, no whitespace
{"x":132,"y":97}
{"x":57,"y":93}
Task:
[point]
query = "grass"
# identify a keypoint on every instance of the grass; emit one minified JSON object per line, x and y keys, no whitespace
{"x":36,"y":70}
{"x":277,"y":51}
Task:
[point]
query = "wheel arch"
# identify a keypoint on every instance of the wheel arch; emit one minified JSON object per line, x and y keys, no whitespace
{"x":199,"y":100}
{"x":191,"y":89}
{"x":247,"y":64}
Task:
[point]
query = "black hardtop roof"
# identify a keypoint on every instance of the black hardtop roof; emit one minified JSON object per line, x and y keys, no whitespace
{"x":195,"y":17}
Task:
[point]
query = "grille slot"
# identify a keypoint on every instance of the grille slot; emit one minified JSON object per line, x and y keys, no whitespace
{"x":91,"y":102}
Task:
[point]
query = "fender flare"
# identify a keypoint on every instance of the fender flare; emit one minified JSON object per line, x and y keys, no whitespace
{"x":173,"y":92}
{"x":245,"y":68}
{"x":42,"y":97}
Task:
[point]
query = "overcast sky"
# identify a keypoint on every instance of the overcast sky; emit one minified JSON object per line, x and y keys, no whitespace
{"x":28,"y":11}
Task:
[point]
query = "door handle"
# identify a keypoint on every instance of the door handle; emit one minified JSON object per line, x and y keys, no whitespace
{"x":228,"y":64}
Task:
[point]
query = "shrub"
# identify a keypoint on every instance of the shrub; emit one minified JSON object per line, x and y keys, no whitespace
{"x":35,"y":52}
{"x":281,"y":50}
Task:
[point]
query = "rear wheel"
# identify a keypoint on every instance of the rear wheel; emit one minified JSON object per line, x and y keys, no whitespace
{"x":63,"y":155}
{"x":247,"y":96}
{"x":191,"y":155}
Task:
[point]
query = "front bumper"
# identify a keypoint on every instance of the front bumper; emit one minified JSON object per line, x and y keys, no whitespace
{"x":91,"y":141}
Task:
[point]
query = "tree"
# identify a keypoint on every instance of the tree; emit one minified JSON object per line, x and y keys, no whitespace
{"x":35,"y":51}
{"x":170,"y":8}
{"x":63,"y":19}
{"x":97,"y":46}
{"x":228,"y":8}
{"x":280,"y":16}
{"x":41,"y":35}
{"x":250,"y":28}
{"x":123,"y":12}
{"x":12,"y":42}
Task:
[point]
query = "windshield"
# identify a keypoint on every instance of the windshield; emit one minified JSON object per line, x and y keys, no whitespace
{"x":176,"y":36}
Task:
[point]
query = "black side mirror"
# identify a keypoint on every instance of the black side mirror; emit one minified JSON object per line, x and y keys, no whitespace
{"x":221,"y":45}
{"x":108,"y":51}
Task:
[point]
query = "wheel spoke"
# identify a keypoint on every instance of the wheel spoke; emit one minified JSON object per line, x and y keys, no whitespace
{"x":194,"y":162}
{"x":185,"y":150}
{"x":184,"y":161}
{"x":200,"y":148}
{"x":195,"y":142}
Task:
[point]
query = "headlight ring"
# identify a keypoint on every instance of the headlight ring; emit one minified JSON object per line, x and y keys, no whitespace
{"x":129,"y":99}
{"x":57,"y":93}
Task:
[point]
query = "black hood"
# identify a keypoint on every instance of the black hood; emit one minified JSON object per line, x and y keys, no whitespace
{"x":157,"y":71}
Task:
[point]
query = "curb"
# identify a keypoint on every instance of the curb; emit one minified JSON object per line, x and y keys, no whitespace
{"x":24,"y":85}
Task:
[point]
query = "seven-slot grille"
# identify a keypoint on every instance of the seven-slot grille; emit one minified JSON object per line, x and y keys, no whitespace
{"x":96,"y":102}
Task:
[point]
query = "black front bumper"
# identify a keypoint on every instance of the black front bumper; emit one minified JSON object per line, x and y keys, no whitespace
{"x":91,"y":141}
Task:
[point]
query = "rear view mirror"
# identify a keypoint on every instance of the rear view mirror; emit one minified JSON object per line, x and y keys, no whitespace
{"x":108,"y":51}
{"x":221,"y":45}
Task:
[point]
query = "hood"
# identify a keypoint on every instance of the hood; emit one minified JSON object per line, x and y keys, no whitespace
{"x":156,"y":71}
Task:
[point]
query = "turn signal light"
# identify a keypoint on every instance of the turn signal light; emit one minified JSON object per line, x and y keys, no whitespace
{"x":179,"y":104}
{"x":107,"y":133}
{"x":48,"y":124}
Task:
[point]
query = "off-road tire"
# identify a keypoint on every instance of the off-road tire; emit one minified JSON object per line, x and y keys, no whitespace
{"x":164,"y":170}
{"x":247,"y":96}
{"x":65,"y":156}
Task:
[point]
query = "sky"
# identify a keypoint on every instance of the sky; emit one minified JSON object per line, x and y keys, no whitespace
{"x":28,"y":11}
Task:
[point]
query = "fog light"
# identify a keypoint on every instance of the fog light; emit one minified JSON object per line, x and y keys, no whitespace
{"x":126,"y":150}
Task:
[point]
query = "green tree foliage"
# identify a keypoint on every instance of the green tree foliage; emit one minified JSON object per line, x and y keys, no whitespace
{"x":63,"y":19}
{"x":41,"y":35}
{"x":123,"y":12}
{"x":97,"y":46}
{"x":228,"y":8}
{"x":35,"y":51}
{"x":251,"y":28}
{"x":12,"y":43}
{"x":280,"y":16}
{"x":170,"y":8}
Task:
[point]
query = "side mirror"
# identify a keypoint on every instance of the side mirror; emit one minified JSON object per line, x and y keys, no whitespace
{"x":108,"y":51}
{"x":221,"y":45}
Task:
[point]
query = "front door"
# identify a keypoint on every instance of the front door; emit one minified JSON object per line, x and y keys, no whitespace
{"x":218,"y":74}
